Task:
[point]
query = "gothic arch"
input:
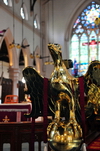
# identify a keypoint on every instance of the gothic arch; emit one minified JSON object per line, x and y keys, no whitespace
{"x":79,"y":31}
{"x":74,"y":16}
{"x":13,"y":61}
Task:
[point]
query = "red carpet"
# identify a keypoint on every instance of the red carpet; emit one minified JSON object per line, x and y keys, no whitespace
{"x":94,"y":145}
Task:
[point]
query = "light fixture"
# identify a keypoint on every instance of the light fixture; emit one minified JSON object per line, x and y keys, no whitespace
{"x":25,"y":46}
{"x":42,"y":57}
{"x":13,"y":44}
{"x":49,"y":63}
{"x":18,"y":46}
{"x":32,"y":3}
{"x":49,"y":9}
{"x":1,"y":35}
{"x":32,"y":56}
{"x":2,"y":32}
{"x":68,"y":63}
{"x":38,"y":56}
{"x":23,"y":18}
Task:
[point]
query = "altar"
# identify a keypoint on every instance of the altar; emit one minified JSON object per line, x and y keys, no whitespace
{"x":14,"y":112}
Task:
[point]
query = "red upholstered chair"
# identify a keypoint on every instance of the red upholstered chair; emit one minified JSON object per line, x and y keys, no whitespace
{"x":11,"y":99}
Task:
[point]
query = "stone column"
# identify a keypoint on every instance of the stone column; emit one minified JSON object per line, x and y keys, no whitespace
{"x":14,"y":75}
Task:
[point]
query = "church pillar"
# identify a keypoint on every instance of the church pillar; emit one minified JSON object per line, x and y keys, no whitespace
{"x":14,"y":75}
{"x":66,"y":53}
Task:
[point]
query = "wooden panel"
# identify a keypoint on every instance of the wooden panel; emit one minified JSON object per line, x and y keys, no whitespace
{"x":7,"y":85}
{"x":18,"y":133}
{"x":21,"y":91}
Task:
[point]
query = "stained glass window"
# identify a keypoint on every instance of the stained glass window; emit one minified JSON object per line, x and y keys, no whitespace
{"x":85,"y":41}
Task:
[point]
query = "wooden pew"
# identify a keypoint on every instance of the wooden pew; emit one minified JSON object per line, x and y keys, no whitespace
{"x":17,"y":133}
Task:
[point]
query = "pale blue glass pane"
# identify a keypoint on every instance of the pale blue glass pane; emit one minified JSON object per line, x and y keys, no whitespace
{"x":75,"y":48}
{"x":83,"y":54}
{"x":86,"y":32}
{"x":75,"y":53}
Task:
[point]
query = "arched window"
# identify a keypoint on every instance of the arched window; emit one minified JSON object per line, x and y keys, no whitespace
{"x":8,"y":2}
{"x":85,"y":41}
{"x":36,"y":22}
{"x":23,"y":12}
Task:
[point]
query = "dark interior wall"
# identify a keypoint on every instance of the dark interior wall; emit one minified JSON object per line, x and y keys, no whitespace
{"x":7,"y":85}
{"x":21,"y":91}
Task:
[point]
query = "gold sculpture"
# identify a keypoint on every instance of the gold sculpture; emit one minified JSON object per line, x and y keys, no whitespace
{"x":64,"y":133}
{"x":92,"y":88}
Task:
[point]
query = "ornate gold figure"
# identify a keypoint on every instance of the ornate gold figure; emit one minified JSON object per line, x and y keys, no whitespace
{"x":92,"y":88}
{"x":64,"y":132}
{"x":94,"y":97}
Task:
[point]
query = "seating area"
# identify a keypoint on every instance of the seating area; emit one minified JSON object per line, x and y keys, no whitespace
{"x":17,"y":133}
{"x":16,"y":129}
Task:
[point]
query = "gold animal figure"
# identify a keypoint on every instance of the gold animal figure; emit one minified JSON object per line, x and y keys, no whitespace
{"x":92,"y":89}
{"x":64,"y":132}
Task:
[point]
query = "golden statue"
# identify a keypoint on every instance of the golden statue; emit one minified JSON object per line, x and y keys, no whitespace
{"x":64,"y":132}
{"x":92,"y":88}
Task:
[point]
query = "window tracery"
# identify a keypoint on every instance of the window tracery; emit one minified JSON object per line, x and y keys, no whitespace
{"x":85,"y":45}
